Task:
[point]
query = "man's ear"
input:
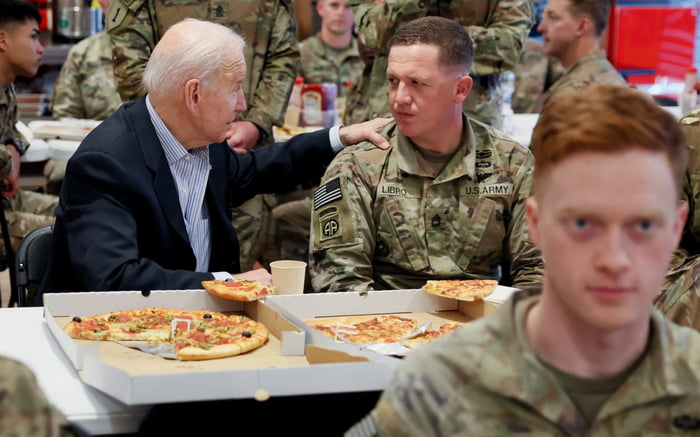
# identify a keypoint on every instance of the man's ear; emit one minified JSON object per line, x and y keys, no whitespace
{"x":464,"y":85}
{"x":585,"y":26}
{"x":193,"y":94}
{"x":533,"y":220}
{"x":3,"y":39}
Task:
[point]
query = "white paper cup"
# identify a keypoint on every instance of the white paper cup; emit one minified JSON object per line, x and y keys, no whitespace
{"x":288,"y":276}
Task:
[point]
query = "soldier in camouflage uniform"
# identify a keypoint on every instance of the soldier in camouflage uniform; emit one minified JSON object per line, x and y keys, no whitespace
{"x":331,"y":56}
{"x":85,"y":88}
{"x":272,"y":58}
{"x":534,"y":74}
{"x":588,"y":354}
{"x":445,"y":202}
{"x":584,"y":62}
{"x":680,"y":300}
{"x":19,"y":32}
{"x":24,"y":409}
{"x":498,"y":29}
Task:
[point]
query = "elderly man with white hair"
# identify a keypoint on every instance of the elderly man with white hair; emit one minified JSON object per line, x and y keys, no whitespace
{"x":147,"y":198}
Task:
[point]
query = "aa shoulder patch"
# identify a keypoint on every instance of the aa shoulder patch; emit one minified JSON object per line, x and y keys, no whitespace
{"x":325,"y":194}
{"x":329,"y":224}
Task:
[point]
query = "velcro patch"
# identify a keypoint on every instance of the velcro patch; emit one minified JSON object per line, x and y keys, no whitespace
{"x":330,"y":192}
{"x":329,"y":224}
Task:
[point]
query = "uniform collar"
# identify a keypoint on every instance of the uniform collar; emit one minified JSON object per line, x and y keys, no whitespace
{"x":462,"y":163}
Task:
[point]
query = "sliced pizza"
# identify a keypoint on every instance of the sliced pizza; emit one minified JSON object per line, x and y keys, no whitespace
{"x":365,"y":329}
{"x":461,"y":289}
{"x":431,"y":335}
{"x":243,"y":290}
{"x":195,"y":334}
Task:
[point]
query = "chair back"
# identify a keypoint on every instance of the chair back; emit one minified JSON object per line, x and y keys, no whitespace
{"x":32,"y":259}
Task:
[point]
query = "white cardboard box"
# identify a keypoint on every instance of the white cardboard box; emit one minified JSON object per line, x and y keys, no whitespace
{"x":425,"y":306}
{"x":135,"y":378}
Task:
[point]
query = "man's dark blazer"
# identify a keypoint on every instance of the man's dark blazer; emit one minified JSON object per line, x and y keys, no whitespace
{"x":119,"y":225}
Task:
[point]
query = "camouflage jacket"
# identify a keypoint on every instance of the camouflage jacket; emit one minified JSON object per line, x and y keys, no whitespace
{"x":680,"y":300}
{"x":86,"y":87}
{"x":271,"y":52}
{"x":378,"y":222}
{"x":321,"y":63}
{"x":587,"y":70}
{"x":24,"y":410}
{"x":9,"y":114}
{"x":535,"y":73}
{"x":498,"y":29}
{"x":485,"y":379}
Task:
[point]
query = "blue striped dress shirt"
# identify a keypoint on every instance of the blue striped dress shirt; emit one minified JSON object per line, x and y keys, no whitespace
{"x":190,"y":170}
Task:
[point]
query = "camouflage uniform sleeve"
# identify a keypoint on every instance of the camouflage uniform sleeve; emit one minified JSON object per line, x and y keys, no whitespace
{"x":342,"y":231}
{"x":132,"y":28}
{"x":9,"y":114}
{"x":281,"y":67}
{"x":67,"y":100}
{"x":375,"y":24}
{"x":497,"y":47}
{"x":525,"y":259}
{"x":24,"y":409}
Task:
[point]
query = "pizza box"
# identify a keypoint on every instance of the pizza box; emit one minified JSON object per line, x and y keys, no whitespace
{"x":283,"y":367}
{"x":418,"y":304}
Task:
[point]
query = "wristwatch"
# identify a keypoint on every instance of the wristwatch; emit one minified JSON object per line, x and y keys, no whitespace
{"x":19,"y":145}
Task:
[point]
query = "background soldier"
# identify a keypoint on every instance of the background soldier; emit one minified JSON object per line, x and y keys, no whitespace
{"x":445,"y":202}
{"x":498,"y":29}
{"x":571,"y":31}
{"x":331,"y":56}
{"x":20,"y":55}
{"x":680,"y":300}
{"x":85,"y":88}
{"x":588,"y":354}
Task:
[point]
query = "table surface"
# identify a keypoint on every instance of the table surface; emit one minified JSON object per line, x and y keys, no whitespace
{"x":25,"y":337}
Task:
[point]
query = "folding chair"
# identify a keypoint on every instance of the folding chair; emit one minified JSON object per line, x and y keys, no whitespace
{"x":32,"y":259}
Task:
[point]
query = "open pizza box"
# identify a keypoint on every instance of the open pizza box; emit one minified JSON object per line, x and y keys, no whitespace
{"x":417,"y":304}
{"x":279,"y":368}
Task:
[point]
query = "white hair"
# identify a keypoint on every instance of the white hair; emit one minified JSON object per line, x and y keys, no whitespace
{"x":199,"y":49}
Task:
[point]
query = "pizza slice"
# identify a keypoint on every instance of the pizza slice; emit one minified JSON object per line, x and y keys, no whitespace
{"x":365,"y":329}
{"x":431,"y":335}
{"x":243,"y":290}
{"x":464,"y":289}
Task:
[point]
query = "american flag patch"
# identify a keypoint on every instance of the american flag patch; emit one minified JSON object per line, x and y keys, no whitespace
{"x":327,"y":193}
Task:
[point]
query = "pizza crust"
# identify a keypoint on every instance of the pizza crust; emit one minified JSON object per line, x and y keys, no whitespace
{"x":242,"y":290}
{"x":464,"y":289}
{"x":198,"y":334}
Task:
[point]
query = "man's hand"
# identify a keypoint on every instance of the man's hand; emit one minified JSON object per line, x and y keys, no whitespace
{"x":260,"y":275}
{"x":10,"y":183}
{"x":355,"y":133}
{"x":242,"y":136}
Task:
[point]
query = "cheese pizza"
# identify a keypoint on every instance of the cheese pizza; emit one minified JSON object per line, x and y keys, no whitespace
{"x":239,"y":289}
{"x":431,"y":335}
{"x":195,"y":334}
{"x":466,"y":289}
{"x":365,"y":329}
